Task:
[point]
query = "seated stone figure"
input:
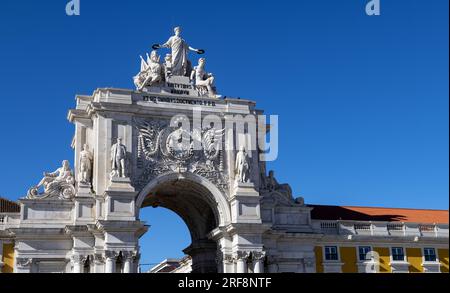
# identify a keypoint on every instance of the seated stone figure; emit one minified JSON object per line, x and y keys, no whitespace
{"x":57,"y":183}
{"x":151,"y":71}
{"x":271,"y":184}
{"x":203,"y":81}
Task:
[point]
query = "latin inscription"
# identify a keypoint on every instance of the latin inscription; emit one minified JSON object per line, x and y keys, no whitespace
{"x":156,"y":99}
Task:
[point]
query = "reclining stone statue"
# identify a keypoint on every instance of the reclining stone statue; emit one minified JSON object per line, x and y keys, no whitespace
{"x":59,"y":183}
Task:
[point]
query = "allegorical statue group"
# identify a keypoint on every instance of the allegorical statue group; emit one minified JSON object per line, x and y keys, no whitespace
{"x":60,"y":183}
{"x":175,"y":64}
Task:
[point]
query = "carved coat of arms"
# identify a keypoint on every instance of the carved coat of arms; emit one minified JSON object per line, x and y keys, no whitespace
{"x":163,"y":149}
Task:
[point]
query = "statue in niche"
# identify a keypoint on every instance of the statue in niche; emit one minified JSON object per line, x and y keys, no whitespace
{"x":151,"y":71}
{"x":85,"y":171}
{"x":179,"y":48}
{"x":118,"y":159}
{"x":203,"y":81}
{"x":242,"y":166}
{"x":59,"y":183}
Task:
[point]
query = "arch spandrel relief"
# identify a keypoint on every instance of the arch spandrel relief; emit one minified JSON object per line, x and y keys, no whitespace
{"x":162,"y":149}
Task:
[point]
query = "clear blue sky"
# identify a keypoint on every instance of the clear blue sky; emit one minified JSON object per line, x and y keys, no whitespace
{"x":362,"y":101}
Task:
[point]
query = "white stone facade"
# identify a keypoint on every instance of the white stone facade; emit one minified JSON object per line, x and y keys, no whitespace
{"x":129,"y":153}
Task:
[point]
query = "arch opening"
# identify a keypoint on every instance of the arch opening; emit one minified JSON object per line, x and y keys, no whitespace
{"x":195,"y":204}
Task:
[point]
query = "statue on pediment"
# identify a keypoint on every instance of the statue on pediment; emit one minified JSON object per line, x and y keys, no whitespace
{"x":271,"y":184}
{"x":203,"y":80}
{"x":152,"y":72}
{"x":59,"y":183}
{"x":180,"y":63}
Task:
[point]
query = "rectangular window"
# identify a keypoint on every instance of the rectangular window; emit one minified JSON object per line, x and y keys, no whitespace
{"x":429,"y":254}
{"x":331,"y":253}
{"x":363,"y":251}
{"x":398,"y":254}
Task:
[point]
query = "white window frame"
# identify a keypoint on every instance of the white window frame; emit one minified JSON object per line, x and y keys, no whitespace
{"x":357,"y":253}
{"x":431,"y":266}
{"x":435,"y":253}
{"x":337,"y":251}
{"x":405,"y":257}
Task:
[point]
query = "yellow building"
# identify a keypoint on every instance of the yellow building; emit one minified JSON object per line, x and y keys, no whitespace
{"x":385,"y":240}
{"x":7,"y":209}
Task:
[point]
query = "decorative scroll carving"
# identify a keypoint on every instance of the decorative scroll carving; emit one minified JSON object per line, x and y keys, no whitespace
{"x":162,"y":149}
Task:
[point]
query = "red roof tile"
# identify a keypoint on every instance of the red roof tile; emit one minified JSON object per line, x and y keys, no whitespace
{"x":324,"y":212}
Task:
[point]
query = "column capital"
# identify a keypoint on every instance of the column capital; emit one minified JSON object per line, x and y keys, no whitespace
{"x":99,"y":259}
{"x":241,"y":255}
{"x":129,"y":255}
{"x":78,"y":258}
{"x":23,"y":262}
{"x":111,"y":254}
{"x":258,"y":255}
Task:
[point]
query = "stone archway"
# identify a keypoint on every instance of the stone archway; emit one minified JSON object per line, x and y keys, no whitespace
{"x":201,"y":206}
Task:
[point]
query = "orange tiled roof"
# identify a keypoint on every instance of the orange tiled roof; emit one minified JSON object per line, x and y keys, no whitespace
{"x":325,"y":212}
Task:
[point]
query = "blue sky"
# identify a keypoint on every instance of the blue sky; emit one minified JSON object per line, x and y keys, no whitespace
{"x":362,"y":101}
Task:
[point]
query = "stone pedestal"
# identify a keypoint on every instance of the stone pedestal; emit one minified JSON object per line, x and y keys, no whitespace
{"x":120,"y":184}
{"x":245,"y":206}
{"x":84,"y":211}
{"x":120,"y":200}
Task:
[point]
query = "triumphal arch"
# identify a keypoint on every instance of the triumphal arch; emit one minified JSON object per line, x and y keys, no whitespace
{"x":172,"y":142}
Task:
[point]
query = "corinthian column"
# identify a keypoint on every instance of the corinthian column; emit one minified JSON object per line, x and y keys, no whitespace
{"x":78,"y":263}
{"x":241,"y":261}
{"x":111,"y":257}
{"x":258,"y":261}
{"x":127,"y":261}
